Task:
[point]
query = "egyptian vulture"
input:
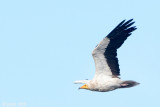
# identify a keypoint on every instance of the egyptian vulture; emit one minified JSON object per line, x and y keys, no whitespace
{"x":107,"y":70}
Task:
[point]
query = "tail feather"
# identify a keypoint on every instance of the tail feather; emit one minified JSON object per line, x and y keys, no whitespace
{"x":128,"y":84}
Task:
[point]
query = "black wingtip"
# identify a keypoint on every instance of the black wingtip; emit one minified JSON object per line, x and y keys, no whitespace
{"x":128,"y":23}
{"x":130,"y":20}
{"x":125,"y":24}
{"x":122,"y":27}
{"x":121,"y":23}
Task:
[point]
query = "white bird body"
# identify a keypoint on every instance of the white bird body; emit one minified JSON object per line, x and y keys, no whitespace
{"x":104,"y":83}
{"x":106,"y":61}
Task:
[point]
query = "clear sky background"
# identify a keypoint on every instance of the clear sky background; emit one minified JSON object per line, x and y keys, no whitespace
{"x":45,"y":45}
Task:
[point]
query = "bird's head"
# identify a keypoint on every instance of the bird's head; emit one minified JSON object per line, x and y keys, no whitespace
{"x":85,"y":86}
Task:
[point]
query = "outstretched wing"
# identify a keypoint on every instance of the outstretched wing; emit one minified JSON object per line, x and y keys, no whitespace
{"x":105,"y":53}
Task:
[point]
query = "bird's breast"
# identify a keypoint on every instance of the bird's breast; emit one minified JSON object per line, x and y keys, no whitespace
{"x":105,"y":84}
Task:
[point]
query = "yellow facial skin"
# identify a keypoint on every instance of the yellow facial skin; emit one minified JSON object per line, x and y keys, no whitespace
{"x":85,"y":86}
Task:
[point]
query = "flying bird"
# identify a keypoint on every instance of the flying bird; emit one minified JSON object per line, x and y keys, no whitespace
{"x":107,"y":70}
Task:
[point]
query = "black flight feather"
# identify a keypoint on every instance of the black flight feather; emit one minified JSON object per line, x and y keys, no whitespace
{"x":117,"y":37}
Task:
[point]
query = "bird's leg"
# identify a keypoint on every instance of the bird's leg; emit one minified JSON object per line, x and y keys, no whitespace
{"x":123,"y":84}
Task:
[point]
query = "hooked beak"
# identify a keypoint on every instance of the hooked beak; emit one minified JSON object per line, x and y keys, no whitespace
{"x":85,"y":86}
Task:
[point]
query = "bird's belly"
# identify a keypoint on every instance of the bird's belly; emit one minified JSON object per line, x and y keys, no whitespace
{"x":107,"y":85}
{"x":108,"y":88}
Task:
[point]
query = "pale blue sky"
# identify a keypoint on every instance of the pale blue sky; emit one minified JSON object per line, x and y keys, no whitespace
{"x":45,"y":45}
